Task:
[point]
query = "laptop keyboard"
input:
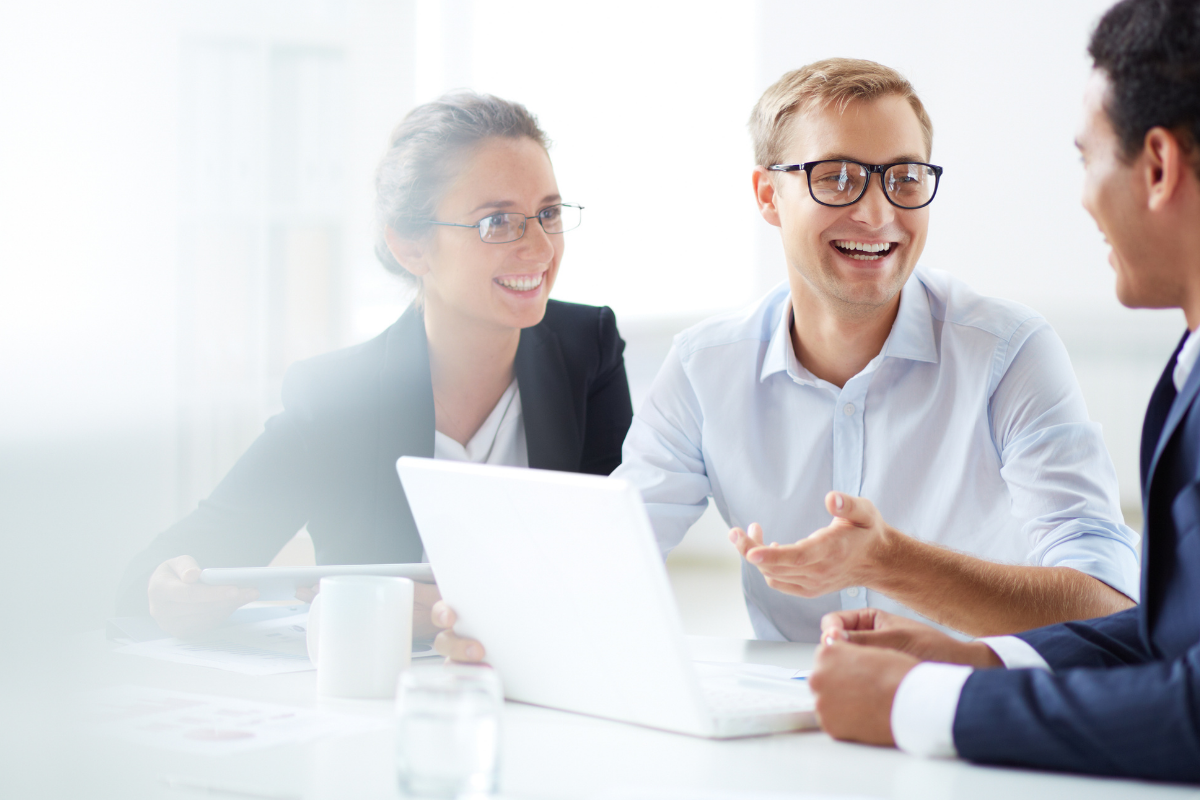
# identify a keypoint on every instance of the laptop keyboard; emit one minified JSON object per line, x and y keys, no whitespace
{"x":729,"y":702}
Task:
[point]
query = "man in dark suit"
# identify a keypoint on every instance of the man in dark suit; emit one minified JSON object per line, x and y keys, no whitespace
{"x":1118,"y":695}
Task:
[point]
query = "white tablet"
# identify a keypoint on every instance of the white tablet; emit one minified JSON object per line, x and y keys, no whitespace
{"x":280,"y":583}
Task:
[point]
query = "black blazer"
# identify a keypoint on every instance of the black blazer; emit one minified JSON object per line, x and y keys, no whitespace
{"x":328,"y":459}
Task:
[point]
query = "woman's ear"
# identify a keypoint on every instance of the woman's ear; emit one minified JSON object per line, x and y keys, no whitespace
{"x":409,"y":253}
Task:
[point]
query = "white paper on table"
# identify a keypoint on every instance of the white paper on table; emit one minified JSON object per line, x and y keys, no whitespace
{"x":269,"y":647}
{"x":210,"y":724}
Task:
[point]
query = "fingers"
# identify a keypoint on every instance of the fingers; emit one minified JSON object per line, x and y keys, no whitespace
{"x":745,"y":541}
{"x":425,"y":597}
{"x":181,"y":605}
{"x":891,"y":640}
{"x":858,"y":510}
{"x":853,"y":619}
{"x":306,"y":594}
{"x":775,"y":554}
{"x":184,"y":567}
{"x":457,"y":648}
{"x":738,"y":537}
{"x":176,"y":591}
{"x":177,"y":581}
{"x":450,"y":644}
{"x":442,"y":615}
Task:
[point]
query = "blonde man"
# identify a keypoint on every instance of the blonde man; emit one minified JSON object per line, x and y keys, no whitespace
{"x":943,"y":431}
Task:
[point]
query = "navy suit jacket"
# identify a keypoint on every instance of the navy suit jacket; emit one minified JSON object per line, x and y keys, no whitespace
{"x":328,"y":460}
{"x":1124,"y":697}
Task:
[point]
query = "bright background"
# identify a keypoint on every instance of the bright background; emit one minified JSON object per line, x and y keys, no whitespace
{"x":185,"y":210}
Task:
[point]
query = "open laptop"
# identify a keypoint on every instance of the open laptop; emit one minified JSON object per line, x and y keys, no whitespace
{"x":559,"y":575}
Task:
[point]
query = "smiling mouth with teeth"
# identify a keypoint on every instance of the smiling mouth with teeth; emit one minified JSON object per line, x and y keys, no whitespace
{"x":521,"y":283}
{"x":863,"y":251}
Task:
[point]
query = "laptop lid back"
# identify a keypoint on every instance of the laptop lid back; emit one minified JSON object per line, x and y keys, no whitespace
{"x":559,"y":575}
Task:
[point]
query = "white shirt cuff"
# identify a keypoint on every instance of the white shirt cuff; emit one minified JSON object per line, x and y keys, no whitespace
{"x":924,"y":706}
{"x":1015,"y":653}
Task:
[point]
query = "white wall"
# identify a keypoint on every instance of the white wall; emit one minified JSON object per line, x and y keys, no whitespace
{"x":94,"y":244}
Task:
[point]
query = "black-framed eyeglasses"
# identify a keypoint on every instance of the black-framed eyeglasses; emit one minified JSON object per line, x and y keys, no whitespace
{"x":510,"y":226}
{"x":836,"y":183}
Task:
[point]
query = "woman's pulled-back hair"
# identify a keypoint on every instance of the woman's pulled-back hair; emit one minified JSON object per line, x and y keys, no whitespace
{"x":426,"y":152}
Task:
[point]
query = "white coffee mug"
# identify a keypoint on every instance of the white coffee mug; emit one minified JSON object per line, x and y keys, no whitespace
{"x":360,"y":634}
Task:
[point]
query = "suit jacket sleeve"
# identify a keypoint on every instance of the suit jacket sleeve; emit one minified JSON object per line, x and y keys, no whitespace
{"x":1111,"y":707}
{"x":609,"y":409}
{"x":255,"y":509}
{"x":1134,"y":721}
{"x":1111,"y":641}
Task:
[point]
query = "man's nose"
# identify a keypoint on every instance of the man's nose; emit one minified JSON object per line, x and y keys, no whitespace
{"x":874,"y":209}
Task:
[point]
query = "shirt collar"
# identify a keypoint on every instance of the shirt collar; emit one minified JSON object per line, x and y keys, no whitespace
{"x":1185,"y":362}
{"x":911,"y":336}
{"x":912,"y":332}
{"x":779,"y":349}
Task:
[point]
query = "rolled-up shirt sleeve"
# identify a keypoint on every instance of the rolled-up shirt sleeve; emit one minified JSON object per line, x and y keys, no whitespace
{"x":1054,"y":462}
{"x":662,"y":454}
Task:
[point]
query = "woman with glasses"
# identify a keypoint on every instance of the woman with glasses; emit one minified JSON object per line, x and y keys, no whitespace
{"x":483,"y":367}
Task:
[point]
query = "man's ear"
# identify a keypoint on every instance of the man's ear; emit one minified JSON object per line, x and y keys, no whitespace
{"x":764,"y":194}
{"x":1164,"y":159}
{"x":409,"y":253}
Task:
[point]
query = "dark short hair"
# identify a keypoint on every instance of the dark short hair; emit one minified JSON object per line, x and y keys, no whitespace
{"x":426,"y":153}
{"x":1150,"y":52}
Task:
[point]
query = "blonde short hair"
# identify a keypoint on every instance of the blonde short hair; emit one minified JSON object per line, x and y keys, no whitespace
{"x":831,"y":81}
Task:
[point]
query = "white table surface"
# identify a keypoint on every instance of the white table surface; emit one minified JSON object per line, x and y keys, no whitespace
{"x":552,"y":754}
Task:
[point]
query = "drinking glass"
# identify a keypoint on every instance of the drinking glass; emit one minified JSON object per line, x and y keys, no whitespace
{"x":448,"y":731}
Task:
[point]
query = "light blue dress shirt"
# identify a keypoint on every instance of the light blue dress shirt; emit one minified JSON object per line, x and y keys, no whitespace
{"x":968,"y":430}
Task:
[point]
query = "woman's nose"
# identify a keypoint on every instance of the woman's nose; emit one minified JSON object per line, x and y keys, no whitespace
{"x":536,"y":244}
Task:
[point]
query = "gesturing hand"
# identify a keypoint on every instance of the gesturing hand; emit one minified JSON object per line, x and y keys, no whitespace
{"x":847,"y":552}
{"x":870,"y":626}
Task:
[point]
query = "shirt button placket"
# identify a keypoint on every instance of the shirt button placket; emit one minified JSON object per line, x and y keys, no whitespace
{"x":848,"y":452}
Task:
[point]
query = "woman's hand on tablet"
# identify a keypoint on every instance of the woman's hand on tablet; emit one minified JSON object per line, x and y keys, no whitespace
{"x":181,"y":605}
{"x":453,"y":647}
